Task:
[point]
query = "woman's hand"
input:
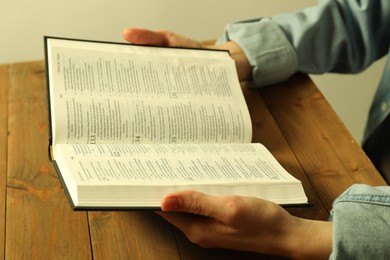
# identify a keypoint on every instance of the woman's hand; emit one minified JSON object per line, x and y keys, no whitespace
{"x":167,"y":38}
{"x":158,"y":38}
{"x":246,"y":223}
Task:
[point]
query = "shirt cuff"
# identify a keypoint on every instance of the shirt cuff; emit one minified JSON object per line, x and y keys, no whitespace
{"x":270,"y":54}
{"x":360,"y":223}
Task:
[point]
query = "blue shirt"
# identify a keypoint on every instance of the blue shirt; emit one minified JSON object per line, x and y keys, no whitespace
{"x":361,"y":223}
{"x":334,"y":36}
{"x":343,"y":36}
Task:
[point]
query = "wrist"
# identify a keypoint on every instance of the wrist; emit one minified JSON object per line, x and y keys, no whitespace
{"x":244,"y":69}
{"x":307,"y":239}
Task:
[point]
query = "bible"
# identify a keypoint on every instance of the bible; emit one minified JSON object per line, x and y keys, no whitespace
{"x":130,"y":124}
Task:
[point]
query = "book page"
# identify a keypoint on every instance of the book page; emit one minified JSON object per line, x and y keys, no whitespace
{"x":180,"y":164}
{"x":107,"y":93}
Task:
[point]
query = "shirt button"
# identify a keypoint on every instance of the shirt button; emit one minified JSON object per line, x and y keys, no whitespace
{"x":384,"y":106}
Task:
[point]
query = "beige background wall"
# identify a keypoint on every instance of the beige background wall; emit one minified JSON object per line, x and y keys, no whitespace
{"x":24,"y":22}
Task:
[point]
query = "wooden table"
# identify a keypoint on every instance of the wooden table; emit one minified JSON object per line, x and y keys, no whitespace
{"x":292,"y":119}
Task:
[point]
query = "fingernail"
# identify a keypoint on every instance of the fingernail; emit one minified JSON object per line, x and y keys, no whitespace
{"x":170,"y":204}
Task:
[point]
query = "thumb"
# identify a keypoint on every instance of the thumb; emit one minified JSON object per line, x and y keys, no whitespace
{"x":144,"y":36}
{"x":158,"y":38}
{"x":195,"y":203}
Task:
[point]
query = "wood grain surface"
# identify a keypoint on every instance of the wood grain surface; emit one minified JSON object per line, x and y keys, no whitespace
{"x":36,"y":221}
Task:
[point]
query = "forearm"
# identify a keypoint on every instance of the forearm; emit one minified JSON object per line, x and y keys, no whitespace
{"x":334,"y":36}
{"x":342,"y":36}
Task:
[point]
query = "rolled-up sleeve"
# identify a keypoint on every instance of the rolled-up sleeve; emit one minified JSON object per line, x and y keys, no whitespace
{"x":361,"y":223}
{"x":275,"y":61}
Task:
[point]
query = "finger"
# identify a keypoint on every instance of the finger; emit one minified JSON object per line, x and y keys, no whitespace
{"x":198,"y":229}
{"x":180,"y":220}
{"x":143,"y":36}
{"x":195,"y":203}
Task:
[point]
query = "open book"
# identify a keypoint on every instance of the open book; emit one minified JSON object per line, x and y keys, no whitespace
{"x":130,"y":124}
